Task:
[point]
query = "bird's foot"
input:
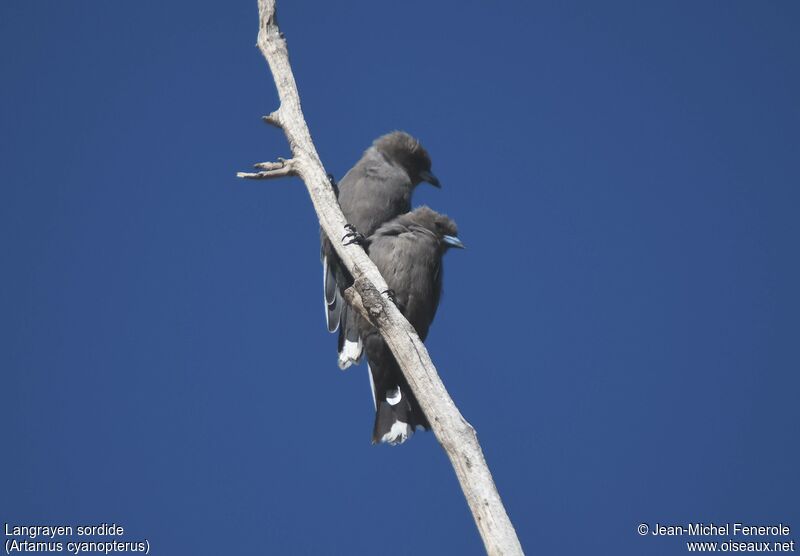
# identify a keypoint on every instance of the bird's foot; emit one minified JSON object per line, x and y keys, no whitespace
{"x":353,"y":236}
{"x":391,"y":295}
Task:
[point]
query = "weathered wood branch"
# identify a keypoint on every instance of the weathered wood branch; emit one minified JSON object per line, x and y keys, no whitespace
{"x":453,"y":432}
{"x":270,"y":170}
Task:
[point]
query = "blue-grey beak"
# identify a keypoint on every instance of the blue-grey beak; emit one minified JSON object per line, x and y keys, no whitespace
{"x":430,"y":178}
{"x":453,"y":241}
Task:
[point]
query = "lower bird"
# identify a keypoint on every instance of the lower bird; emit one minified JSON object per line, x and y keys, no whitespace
{"x":408,"y":252}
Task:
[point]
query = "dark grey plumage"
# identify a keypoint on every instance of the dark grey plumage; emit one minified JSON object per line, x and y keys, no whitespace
{"x":377,"y":189}
{"x":408,"y":252}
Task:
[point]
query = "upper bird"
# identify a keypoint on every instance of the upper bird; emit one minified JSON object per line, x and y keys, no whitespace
{"x":377,"y":189}
{"x":408,"y":253}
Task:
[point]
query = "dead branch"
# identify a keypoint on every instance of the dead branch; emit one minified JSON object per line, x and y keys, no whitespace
{"x":453,"y":432}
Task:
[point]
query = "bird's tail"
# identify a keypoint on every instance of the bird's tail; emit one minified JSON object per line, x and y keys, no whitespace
{"x":333,"y":299}
{"x":338,"y":316}
{"x":397,"y":412}
{"x":350,"y":344}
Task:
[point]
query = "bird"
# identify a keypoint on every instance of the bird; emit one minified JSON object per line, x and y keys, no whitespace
{"x":374,"y":191}
{"x":408,"y":252}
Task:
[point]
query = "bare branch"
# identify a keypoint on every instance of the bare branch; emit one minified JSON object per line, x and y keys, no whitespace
{"x":270,"y":170}
{"x":371,"y":305}
{"x":456,"y":436}
{"x":273,"y":119}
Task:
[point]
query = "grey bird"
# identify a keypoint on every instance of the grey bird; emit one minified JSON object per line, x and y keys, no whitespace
{"x":377,"y":189}
{"x":408,"y":252}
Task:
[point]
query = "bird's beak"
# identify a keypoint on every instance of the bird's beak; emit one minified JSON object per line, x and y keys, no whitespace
{"x":430,"y":178}
{"x":453,"y":241}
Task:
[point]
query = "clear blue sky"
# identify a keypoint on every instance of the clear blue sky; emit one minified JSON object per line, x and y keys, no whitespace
{"x":622,"y":329}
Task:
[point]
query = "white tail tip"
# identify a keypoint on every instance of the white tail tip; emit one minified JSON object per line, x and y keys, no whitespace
{"x":398,"y":434}
{"x":351,"y":353}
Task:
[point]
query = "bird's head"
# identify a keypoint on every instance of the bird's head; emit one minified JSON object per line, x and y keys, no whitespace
{"x":442,"y":226}
{"x":405,"y":151}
